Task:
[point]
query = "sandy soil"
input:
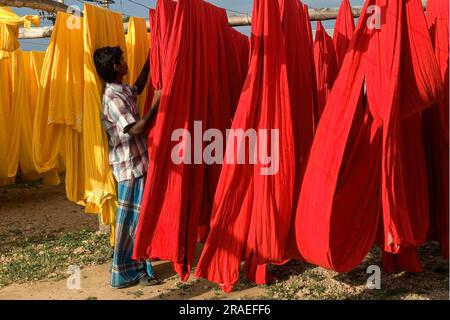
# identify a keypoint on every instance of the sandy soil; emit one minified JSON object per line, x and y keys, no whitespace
{"x":34,"y":209}
{"x":30,"y":210}
{"x":95,"y":285}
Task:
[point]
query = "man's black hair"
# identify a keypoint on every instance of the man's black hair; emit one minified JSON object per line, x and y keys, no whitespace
{"x":105,"y":58}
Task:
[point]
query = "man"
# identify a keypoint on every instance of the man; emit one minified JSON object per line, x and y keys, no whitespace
{"x":128,"y":159}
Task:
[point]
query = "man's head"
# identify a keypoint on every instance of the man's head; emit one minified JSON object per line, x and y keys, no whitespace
{"x":110,"y":64}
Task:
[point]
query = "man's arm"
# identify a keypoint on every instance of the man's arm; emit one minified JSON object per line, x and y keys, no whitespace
{"x":142,"y":125}
{"x":141,"y":81}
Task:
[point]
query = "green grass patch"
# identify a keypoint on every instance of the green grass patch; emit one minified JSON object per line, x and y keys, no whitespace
{"x":49,"y":257}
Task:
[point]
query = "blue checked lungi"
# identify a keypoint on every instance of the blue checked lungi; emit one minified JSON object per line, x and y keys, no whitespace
{"x":124,"y":270}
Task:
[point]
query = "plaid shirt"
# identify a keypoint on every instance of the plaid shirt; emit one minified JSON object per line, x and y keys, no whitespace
{"x":127,"y":154}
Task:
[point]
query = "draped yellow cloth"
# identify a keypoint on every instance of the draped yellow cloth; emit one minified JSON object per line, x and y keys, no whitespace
{"x":20,"y":78}
{"x":57,"y":135}
{"x":5,"y":123}
{"x":101,"y":28}
{"x":32,"y":66}
{"x":9,"y":30}
{"x":16,"y":112}
{"x":137,"y":42}
{"x":25,"y":95}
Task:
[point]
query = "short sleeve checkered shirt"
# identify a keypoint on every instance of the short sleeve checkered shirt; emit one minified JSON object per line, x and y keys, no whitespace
{"x":127,"y":154}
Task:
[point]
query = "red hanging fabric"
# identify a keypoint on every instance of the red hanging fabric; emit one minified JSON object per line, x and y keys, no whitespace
{"x":228,"y":52}
{"x":435,"y":129}
{"x":177,"y":196}
{"x":304,"y":14}
{"x":326,"y":67}
{"x":407,"y":258}
{"x":252,"y":211}
{"x":237,"y":47}
{"x":345,"y":186}
{"x":342,"y":35}
{"x":300,"y":82}
{"x":150,"y":88}
{"x":161,"y":20}
{"x":170,"y":212}
{"x":414,"y":178}
{"x":302,"y":92}
{"x":343,"y":31}
{"x":405,"y":203}
{"x":308,"y":23}
{"x":161,"y":27}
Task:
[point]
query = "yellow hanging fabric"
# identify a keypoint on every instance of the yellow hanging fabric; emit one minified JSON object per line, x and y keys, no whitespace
{"x":32,"y":66}
{"x":137,"y":41}
{"x":101,"y":28}
{"x":9,"y":30}
{"x":57,"y":131}
{"x":5,"y":111}
{"x":19,"y":78}
{"x":25,"y":68}
{"x":18,"y":100}
{"x":36,"y":62}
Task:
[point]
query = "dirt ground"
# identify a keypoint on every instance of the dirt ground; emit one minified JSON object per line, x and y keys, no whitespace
{"x":33,"y":210}
{"x":95,"y":285}
{"x":32,"y":213}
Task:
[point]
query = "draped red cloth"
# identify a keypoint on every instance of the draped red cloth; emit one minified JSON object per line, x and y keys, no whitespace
{"x":310,"y":56}
{"x":252,"y":212}
{"x":194,"y":73}
{"x":241,"y":52}
{"x":161,"y":27}
{"x":308,"y":22}
{"x":150,"y":88}
{"x":343,"y":31}
{"x":161,"y":20}
{"x":435,"y":129}
{"x":302,"y":92}
{"x":380,"y":177}
{"x":228,"y":58}
{"x":325,"y":65}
